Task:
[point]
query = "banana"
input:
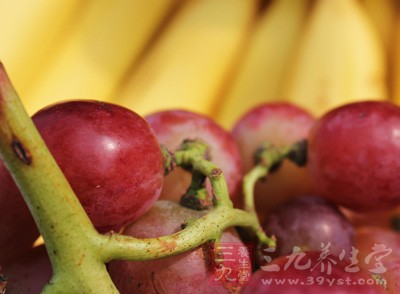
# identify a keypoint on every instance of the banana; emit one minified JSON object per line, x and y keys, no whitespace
{"x":188,"y":65}
{"x":383,"y":16}
{"x":340,"y":59}
{"x":396,"y":64}
{"x":259,"y":76}
{"x":99,"y":50}
{"x":29,"y":32}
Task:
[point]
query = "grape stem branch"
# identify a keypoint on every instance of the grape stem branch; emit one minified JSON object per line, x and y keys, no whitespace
{"x":78,"y":253}
{"x":268,"y":158}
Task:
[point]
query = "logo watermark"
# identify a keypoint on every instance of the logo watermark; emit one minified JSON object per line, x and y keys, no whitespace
{"x":326,"y":260}
{"x":233,"y":265}
{"x":323,"y":281}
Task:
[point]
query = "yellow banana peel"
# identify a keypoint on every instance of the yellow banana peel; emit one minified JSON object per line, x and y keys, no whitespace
{"x":30,"y":33}
{"x":340,"y":59}
{"x":383,"y":16}
{"x":190,"y":62}
{"x":99,"y":50}
{"x":272,"y":45}
{"x":396,"y":64}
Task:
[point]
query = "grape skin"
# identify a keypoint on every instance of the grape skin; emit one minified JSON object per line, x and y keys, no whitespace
{"x":308,"y":221}
{"x":28,"y":273}
{"x":109,"y":155}
{"x":281,"y":124}
{"x":189,"y":272}
{"x":369,"y":236}
{"x":354,"y":156}
{"x":173,"y":126}
{"x":314,"y":281}
{"x":15,"y":218}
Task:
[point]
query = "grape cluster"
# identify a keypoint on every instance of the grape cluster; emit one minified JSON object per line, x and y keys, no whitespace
{"x":316,"y":211}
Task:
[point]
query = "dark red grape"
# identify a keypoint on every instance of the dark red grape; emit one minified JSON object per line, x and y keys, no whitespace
{"x":353,"y":156}
{"x":18,"y":230}
{"x":109,"y":155}
{"x":174,"y":126}
{"x":28,"y":273}
{"x":312,"y":273}
{"x":307,"y":222}
{"x":281,"y":124}
{"x":190,"y":272}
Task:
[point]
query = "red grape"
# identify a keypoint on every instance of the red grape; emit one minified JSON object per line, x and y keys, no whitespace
{"x":353,"y":156}
{"x":379,"y":251}
{"x":311,"y":273}
{"x":190,"y":272}
{"x":306,"y":222}
{"x":174,"y":126}
{"x":109,"y":155}
{"x":392,"y":276}
{"x":29,"y":273}
{"x":18,"y":229}
{"x":281,"y":124}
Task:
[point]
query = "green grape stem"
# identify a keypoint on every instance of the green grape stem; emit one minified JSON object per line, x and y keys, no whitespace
{"x":78,"y":253}
{"x":268,"y":158}
{"x":63,"y":223}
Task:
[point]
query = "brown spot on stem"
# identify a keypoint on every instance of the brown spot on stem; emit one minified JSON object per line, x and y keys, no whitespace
{"x":216,"y":172}
{"x":20,"y":150}
{"x":81,"y":259}
{"x":168,"y":246}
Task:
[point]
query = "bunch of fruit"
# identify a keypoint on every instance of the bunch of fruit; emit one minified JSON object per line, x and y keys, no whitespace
{"x":118,"y":211}
{"x":231,"y":148}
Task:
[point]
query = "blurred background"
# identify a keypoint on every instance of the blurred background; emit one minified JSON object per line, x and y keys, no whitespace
{"x":216,"y":57}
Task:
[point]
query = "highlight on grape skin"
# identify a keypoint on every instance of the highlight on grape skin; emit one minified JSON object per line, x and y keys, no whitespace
{"x":109,"y":155}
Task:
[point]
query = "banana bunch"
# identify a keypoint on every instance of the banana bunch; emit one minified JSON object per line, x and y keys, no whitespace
{"x":395,"y":81}
{"x":339,"y":59}
{"x":30,"y":34}
{"x":191,"y":61}
{"x":86,"y":54}
{"x":270,"y":49}
{"x":217,"y":57}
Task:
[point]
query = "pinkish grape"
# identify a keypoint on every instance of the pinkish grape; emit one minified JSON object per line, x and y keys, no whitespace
{"x":379,"y":253}
{"x":353,"y":156}
{"x":190,"y":272}
{"x":281,"y":124}
{"x":174,"y":126}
